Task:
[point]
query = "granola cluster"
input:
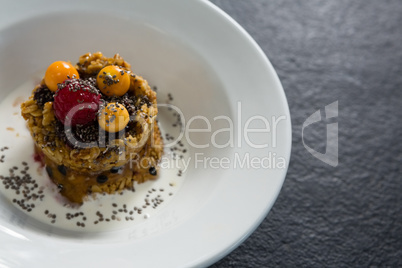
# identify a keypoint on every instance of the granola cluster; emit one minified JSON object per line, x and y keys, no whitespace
{"x":113,"y":124}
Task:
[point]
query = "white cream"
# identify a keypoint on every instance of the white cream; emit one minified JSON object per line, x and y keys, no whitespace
{"x":15,"y":135}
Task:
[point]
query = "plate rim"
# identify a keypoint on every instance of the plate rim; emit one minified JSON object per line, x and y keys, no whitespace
{"x":208,"y":259}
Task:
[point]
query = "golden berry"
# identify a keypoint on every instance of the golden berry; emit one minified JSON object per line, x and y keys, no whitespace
{"x":113,"y":81}
{"x":114,"y":117}
{"x":57,"y":72}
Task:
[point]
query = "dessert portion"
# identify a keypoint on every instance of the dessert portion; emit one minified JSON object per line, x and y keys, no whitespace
{"x":94,"y":126}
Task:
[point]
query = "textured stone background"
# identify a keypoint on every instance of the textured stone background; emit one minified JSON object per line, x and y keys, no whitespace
{"x":324,"y":51}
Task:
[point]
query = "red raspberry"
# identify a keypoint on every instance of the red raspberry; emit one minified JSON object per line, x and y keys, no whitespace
{"x":76,"y":102}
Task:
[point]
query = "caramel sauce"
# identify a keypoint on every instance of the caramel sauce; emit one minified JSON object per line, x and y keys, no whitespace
{"x":76,"y":186}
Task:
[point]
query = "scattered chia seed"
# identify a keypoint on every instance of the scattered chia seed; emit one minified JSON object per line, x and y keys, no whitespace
{"x":85,"y":84}
{"x":28,"y":188}
{"x":23,"y":184}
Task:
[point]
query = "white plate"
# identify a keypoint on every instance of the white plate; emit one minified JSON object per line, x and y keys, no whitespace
{"x":213,"y":68}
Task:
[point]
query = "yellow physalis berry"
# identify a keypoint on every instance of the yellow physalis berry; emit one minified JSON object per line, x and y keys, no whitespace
{"x":113,"y":81}
{"x":57,"y":72}
{"x":114,"y":117}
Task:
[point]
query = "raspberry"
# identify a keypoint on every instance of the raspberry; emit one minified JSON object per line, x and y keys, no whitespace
{"x":76,"y":102}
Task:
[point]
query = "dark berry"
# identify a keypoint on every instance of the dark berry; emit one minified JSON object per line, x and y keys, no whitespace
{"x":43,"y":95}
{"x":114,"y":169}
{"x":62,"y":170}
{"x":49,"y":171}
{"x":102,"y":178}
{"x":152,"y":171}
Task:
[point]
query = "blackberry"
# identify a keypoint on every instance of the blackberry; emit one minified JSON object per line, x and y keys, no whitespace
{"x":145,"y":100}
{"x":43,"y":95}
{"x":129,"y":102}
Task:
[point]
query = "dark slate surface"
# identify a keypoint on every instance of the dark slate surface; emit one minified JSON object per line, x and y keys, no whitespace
{"x":326,"y":51}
